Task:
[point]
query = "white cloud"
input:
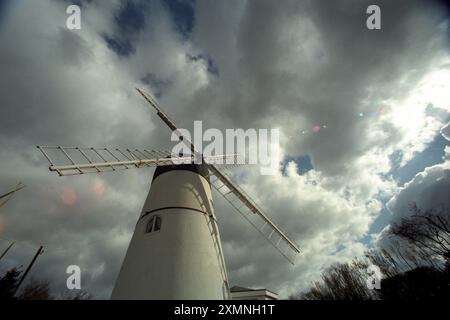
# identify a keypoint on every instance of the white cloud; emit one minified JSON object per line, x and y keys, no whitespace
{"x":428,"y":190}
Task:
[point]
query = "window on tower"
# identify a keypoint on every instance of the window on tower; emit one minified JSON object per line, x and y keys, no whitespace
{"x":150,"y":225}
{"x":157,"y":225}
{"x":154,"y":224}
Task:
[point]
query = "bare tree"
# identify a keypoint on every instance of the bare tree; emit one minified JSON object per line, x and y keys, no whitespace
{"x":342,"y":282}
{"x":78,"y":295}
{"x":427,"y":232}
{"x":8,"y":284}
{"x":36,"y":290}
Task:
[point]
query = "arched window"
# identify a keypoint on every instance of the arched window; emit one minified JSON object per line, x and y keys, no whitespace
{"x":154,"y":224}
{"x":157,"y":225}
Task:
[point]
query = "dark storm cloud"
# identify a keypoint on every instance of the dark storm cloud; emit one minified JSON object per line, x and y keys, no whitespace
{"x":323,"y":75}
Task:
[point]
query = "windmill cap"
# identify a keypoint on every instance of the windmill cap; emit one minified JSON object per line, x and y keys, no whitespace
{"x":200,"y":169}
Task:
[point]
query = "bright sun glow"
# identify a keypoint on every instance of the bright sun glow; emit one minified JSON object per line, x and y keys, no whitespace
{"x":433,"y":90}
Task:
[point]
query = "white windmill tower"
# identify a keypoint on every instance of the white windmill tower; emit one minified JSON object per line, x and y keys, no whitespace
{"x":175,"y":251}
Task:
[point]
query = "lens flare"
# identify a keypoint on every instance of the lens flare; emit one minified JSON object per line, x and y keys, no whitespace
{"x":99,"y":187}
{"x":316,"y":129}
{"x":68,"y":196}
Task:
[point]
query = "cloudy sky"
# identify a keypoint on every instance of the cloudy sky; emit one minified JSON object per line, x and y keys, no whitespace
{"x":363,"y":115}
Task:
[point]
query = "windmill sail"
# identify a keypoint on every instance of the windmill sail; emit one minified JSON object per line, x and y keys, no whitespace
{"x":238,"y":198}
{"x":76,"y":160}
{"x":256,"y":216}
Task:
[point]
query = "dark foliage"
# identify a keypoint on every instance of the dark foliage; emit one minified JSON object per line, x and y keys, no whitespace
{"x":34,"y":290}
{"x":415,"y":267}
{"x":418,"y":284}
{"x":8,"y":284}
{"x":342,"y":282}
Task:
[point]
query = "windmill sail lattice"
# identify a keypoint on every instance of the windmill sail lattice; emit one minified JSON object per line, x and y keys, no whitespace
{"x":67,"y":161}
{"x":238,"y":198}
{"x":251,"y":212}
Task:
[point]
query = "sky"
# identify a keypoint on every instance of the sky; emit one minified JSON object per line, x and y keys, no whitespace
{"x":363,"y":115}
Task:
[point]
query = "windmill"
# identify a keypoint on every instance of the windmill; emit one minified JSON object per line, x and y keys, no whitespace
{"x":175,"y":251}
